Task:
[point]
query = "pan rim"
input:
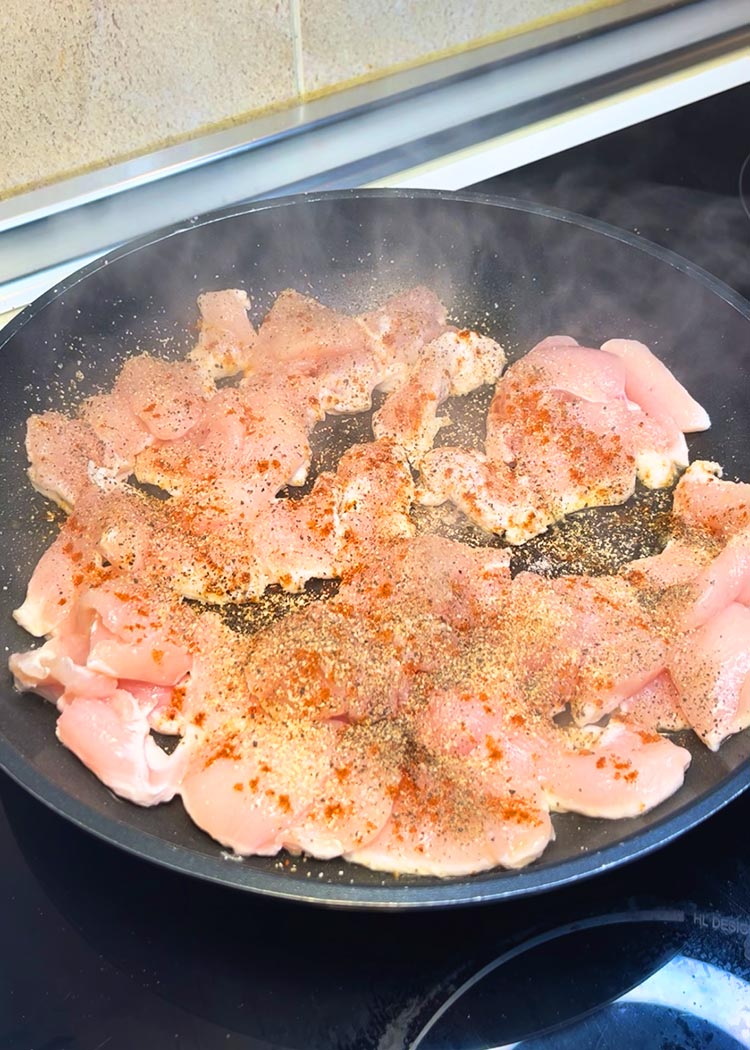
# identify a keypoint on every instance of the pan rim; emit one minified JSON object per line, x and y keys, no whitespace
{"x":411,"y":894}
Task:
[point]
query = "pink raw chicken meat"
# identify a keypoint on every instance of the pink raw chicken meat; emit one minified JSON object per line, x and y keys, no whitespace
{"x":400,"y":328}
{"x":151,"y":400}
{"x":57,"y":578}
{"x":571,"y":402}
{"x":376,"y":494}
{"x":710,"y":506}
{"x":442,"y":825}
{"x":655,"y":707}
{"x":725,"y":580}
{"x":167,"y":396}
{"x":59,"y":668}
{"x":122,"y":433}
{"x":248,"y":435}
{"x":62,"y":452}
{"x":609,"y":772}
{"x":616,"y":772}
{"x":112,"y":737}
{"x":247,"y":791}
{"x":602,"y":609}
{"x":131,"y":637}
{"x":650,"y":384}
{"x":227,"y":338}
{"x":711,"y":670}
{"x":345,"y":358}
{"x":355,"y":801}
{"x":302,"y":337}
{"x":453,"y":364}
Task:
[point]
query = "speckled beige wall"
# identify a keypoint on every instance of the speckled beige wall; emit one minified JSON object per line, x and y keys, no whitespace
{"x":85,"y":83}
{"x":344,"y":40}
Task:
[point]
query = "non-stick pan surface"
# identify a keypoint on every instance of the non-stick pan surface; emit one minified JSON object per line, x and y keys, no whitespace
{"x":517,"y":271}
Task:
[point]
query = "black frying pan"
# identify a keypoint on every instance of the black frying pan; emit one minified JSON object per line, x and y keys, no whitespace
{"x":517,"y":271}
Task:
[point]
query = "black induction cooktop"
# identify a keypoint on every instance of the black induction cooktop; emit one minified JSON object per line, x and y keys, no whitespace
{"x":101,"y":950}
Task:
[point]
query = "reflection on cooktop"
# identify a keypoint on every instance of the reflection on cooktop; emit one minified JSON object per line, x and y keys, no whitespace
{"x":671,"y":999}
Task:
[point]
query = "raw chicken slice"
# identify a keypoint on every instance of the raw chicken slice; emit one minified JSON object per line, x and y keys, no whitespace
{"x":725,"y":580}
{"x":122,"y":434}
{"x":251,"y":782}
{"x":301,"y":336}
{"x":615,"y":772}
{"x":399,"y":329}
{"x":112,"y":737}
{"x":255,"y":435}
{"x":711,"y":670}
{"x":666,"y":582}
{"x":146,"y":653}
{"x":569,"y":402}
{"x":655,"y":707}
{"x":620,"y":650}
{"x":443,"y":824}
{"x":263,"y":542}
{"x":296,"y":540}
{"x":226,"y":341}
{"x":489,"y":494}
{"x":69,"y":564}
{"x":356,"y":801}
{"x":454,"y":363}
{"x":321,"y":663}
{"x":61,"y":453}
{"x":167,"y":396}
{"x":215,"y":692}
{"x":704,"y":503}
{"x":376,"y":494}
{"x":458,"y":585}
{"x":59,"y":667}
{"x":569,"y":368}
{"x":51,"y":588}
{"x":650,"y":384}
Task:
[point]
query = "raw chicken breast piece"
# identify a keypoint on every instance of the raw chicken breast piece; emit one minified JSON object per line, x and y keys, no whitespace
{"x":655,"y":707}
{"x":252,"y":434}
{"x":376,"y":494}
{"x":167,"y":396}
{"x":112,"y":737}
{"x":650,"y":384}
{"x":247,"y":785}
{"x":724,"y":580}
{"x":122,"y":433}
{"x":356,"y":801}
{"x":620,"y":771}
{"x":302,"y":337}
{"x":62,"y":452}
{"x":226,"y":340}
{"x":59,"y":667}
{"x":454,"y":363}
{"x":620,"y":649}
{"x":400,"y":328}
{"x":711,"y":669}
{"x":443,"y":824}
{"x":708,"y":505}
{"x":561,"y":436}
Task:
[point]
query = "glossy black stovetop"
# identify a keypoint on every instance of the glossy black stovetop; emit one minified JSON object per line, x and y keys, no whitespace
{"x":100,"y":950}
